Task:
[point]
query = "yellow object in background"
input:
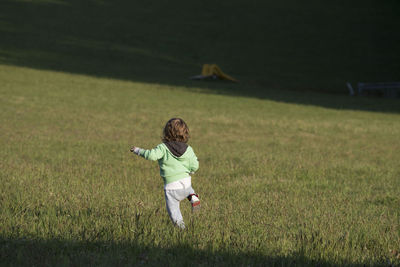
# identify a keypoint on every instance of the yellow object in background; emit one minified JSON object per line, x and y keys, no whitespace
{"x":213,"y":69}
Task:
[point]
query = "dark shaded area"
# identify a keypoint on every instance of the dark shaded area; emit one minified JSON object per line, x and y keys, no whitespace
{"x":23,"y":252}
{"x":313,"y":98}
{"x":270,"y":46}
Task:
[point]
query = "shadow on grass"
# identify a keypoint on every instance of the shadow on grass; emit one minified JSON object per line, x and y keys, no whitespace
{"x":24,"y":252}
{"x":313,"y":98}
{"x":267,"y":45}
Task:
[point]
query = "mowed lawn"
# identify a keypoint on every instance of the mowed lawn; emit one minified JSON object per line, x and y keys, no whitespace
{"x":280,"y":183}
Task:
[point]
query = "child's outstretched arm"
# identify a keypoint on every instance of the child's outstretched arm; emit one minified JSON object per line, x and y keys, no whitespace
{"x":153,"y":154}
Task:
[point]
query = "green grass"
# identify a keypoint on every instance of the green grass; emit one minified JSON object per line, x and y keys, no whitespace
{"x":281,"y":183}
{"x":286,"y":177}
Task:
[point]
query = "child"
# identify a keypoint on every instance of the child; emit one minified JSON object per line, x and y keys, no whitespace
{"x":177,"y":161}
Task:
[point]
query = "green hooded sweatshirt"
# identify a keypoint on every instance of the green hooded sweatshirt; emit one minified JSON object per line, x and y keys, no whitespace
{"x":176,"y":160}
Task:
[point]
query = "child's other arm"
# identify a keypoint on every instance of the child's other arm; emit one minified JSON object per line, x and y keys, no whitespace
{"x":153,"y":154}
{"x":194,"y":164}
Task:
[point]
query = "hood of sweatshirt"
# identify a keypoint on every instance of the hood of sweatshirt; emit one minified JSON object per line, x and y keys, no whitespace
{"x":176,"y":148}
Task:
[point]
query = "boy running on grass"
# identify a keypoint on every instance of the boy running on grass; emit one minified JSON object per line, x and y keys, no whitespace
{"x":177,"y":161}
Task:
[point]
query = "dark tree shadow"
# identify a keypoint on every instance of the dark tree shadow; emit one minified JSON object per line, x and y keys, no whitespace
{"x":25,"y":252}
{"x":269,"y":46}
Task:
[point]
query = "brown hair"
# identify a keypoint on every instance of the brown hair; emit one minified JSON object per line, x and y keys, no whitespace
{"x":176,"y":130}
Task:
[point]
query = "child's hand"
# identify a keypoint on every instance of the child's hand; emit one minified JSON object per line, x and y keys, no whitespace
{"x":135,"y":150}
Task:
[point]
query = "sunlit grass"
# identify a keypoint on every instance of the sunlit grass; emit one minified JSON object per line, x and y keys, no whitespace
{"x":280,"y":183}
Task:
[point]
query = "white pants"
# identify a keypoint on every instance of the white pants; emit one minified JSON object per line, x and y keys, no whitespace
{"x":172,"y":199}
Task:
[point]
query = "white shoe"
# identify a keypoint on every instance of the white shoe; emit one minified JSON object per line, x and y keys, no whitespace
{"x":195,"y":201}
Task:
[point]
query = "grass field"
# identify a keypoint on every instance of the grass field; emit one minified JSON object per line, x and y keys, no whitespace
{"x":290,"y":175}
{"x":281,"y":183}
